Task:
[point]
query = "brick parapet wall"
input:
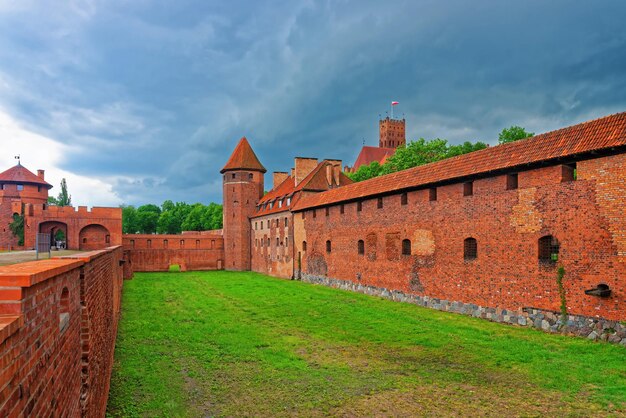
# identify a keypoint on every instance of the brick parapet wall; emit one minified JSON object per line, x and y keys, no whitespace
{"x":58,"y":322}
{"x":586,"y":216}
{"x":550,"y":321}
{"x":154,"y":252}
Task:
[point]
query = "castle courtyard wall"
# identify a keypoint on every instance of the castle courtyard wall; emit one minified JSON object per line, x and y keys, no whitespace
{"x":585,"y":215}
{"x":58,"y":323}
{"x":157,"y":252}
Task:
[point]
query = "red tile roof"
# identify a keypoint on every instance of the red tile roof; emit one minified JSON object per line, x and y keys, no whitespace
{"x":20,"y":174}
{"x":314,"y":181}
{"x":370,"y":154}
{"x":243,"y":158}
{"x":599,"y":134}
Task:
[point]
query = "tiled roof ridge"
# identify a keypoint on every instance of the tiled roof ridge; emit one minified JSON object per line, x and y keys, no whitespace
{"x":546,"y":146}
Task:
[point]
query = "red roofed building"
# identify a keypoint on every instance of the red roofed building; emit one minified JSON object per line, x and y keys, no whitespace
{"x":392,"y":134}
{"x":243,"y":188}
{"x":272,"y":223}
{"x":484,"y":233}
{"x":24,"y":193}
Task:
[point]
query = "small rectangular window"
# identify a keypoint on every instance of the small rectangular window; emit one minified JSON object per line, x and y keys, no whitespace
{"x":20,"y":187}
{"x":286,"y":221}
{"x":303,"y":215}
{"x":359,"y":206}
{"x":327,"y":211}
{"x":328,"y":246}
{"x":314,"y":213}
{"x":432,"y":194}
{"x":341,"y":209}
{"x":404,"y":199}
{"x":511,"y":181}
{"x":380,"y":203}
{"x":468,"y":188}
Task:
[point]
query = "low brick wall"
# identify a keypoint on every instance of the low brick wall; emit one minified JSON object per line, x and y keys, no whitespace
{"x":549,"y":321}
{"x":154,"y":252}
{"x":58,"y":324}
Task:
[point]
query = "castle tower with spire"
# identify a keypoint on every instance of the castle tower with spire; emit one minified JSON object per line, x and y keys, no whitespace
{"x":243,"y":180}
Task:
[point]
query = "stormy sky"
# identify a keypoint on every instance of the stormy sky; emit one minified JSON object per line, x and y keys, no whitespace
{"x":139,"y":101}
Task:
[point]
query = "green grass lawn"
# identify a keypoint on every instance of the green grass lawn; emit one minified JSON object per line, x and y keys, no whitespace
{"x":244,"y":344}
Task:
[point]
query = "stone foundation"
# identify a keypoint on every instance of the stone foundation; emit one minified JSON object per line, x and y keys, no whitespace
{"x":549,"y":321}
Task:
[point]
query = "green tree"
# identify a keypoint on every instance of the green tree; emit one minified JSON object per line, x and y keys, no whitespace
{"x":416,"y":153}
{"x":59,"y":235}
{"x":64,"y":198}
{"x":17,"y":227}
{"x":514,"y":133}
{"x":147,"y":218}
{"x":129,"y":220}
{"x":193,"y":221}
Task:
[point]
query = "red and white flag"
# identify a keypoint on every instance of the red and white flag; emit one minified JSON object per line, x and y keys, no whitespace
{"x":394,"y":103}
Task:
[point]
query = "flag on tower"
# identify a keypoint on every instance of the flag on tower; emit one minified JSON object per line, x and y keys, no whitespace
{"x":394,"y":103}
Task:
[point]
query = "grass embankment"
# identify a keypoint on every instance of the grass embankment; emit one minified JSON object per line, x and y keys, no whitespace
{"x":228,"y":344}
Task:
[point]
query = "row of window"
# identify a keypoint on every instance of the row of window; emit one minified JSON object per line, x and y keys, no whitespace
{"x":279,"y":202}
{"x":263,"y":242}
{"x":548,"y":248}
{"x":166,"y":243}
{"x":468,"y":190}
{"x":273,"y":223}
{"x":19,"y":187}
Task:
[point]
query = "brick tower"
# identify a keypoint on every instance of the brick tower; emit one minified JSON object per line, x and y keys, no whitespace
{"x":392,"y":133}
{"x":243,"y":187}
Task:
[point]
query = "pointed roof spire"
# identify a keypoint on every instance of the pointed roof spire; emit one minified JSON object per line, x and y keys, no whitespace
{"x":243,"y":158}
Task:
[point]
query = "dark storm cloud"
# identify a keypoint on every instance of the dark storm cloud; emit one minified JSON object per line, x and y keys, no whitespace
{"x":155,"y":96}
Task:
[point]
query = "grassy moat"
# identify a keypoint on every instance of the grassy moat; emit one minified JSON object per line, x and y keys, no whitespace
{"x":242,"y":344}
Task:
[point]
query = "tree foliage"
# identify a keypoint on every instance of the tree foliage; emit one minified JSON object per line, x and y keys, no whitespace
{"x":514,"y":133}
{"x":17,"y":227}
{"x":415,"y":153}
{"x":64,"y":198}
{"x":171,"y":218}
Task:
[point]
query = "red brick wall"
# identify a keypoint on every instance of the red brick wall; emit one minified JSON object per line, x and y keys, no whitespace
{"x":159,"y":252}
{"x":79,"y":223}
{"x":241,"y":195}
{"x":272,"y":257}
{"x":46,"y":370}
{"x":586,"y":216}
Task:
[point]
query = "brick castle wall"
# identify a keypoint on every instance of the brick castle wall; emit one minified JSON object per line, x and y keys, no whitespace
{"x":58,"y":321}
{"x":584,"y":215}
{"x":145,"y":252}
{"x":272,"y":245}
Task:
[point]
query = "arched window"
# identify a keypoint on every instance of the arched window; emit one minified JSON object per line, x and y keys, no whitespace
{"x":64,"y":310}
{"x":303,"y":245}
{"x":165,"y":243}
{"x":406,"y":247}
{"x":361,"y":247}
{"x":328,"y":246}
{"x":470,"y":249}
{"x":548,"y":250}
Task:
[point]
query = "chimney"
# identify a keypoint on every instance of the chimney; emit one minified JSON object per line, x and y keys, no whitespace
{"x":304,"y":166}
{"x":329,"y":174}
{"x":293,"y":173}
{"x":333,"y":175}
{"x":279,"y":177}
{"x":40,"y":174}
